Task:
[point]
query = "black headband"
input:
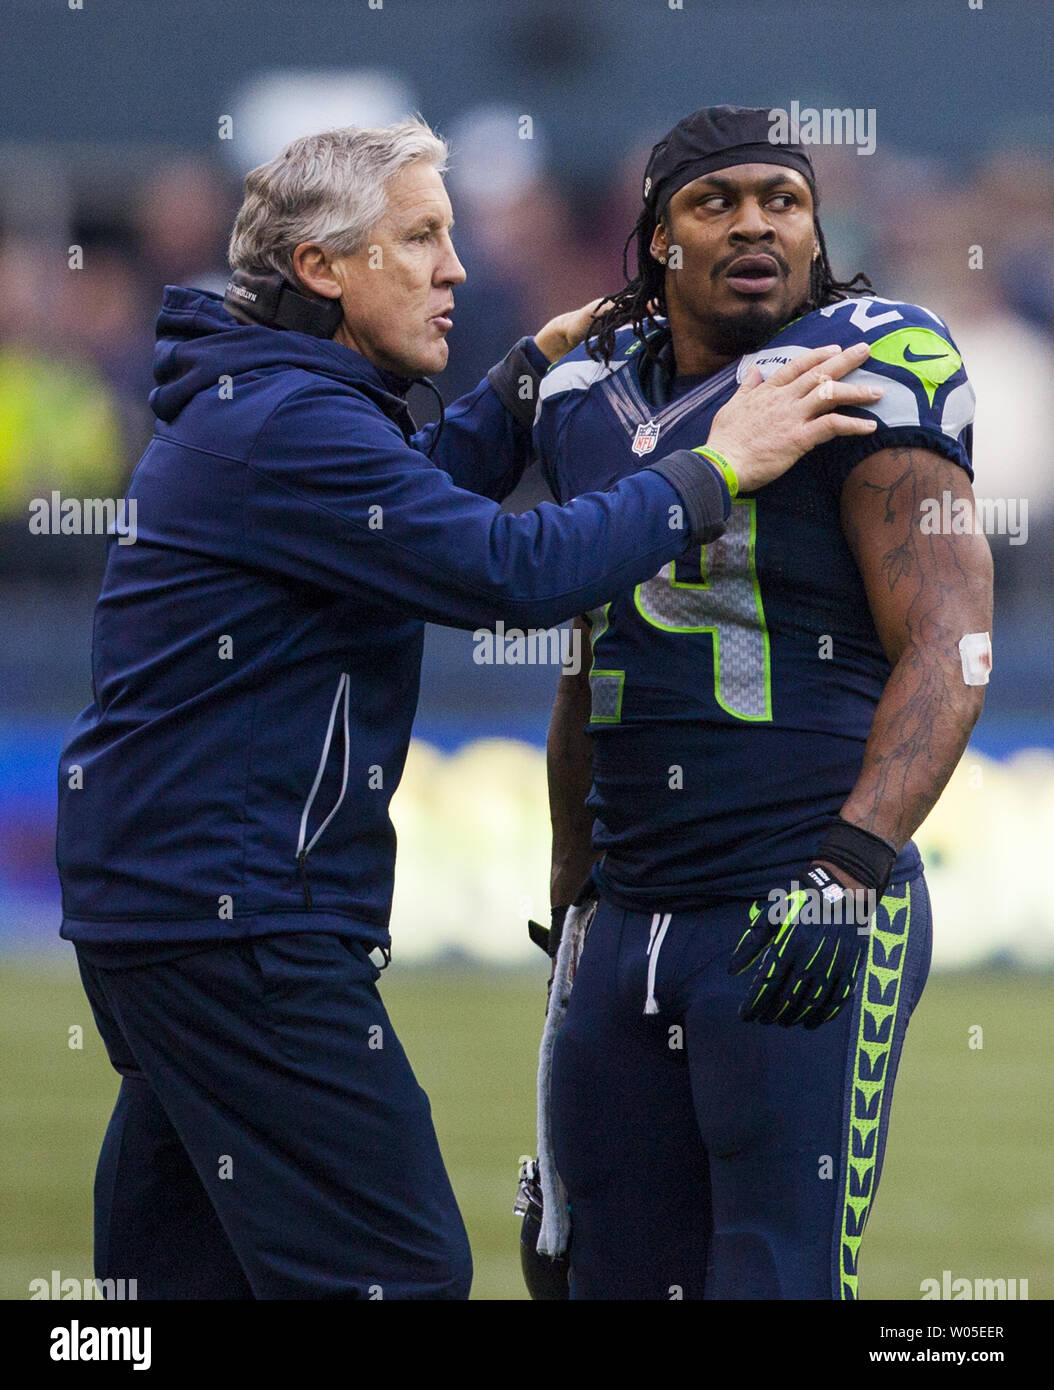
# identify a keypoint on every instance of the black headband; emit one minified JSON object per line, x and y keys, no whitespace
{"x":716,"y":137}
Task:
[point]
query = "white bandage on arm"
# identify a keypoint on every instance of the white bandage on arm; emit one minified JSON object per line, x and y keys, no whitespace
{"x":976,"y":652}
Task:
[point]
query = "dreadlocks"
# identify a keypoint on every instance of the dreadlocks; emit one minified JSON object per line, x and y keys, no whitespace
{"x":643,"y":298}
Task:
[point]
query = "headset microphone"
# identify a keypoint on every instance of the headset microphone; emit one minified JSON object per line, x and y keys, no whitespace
{"x":269,"y":299}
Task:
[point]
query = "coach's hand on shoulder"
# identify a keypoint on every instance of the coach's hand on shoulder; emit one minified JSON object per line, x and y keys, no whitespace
{"x":566,"y":331}
{"x":769,"y":424}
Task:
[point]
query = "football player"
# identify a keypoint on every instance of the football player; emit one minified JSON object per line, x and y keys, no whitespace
{"x":765,"y":724}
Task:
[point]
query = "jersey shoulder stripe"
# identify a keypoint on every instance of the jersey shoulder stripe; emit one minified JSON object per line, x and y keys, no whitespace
{"x":571,"y":374}
{"x":578,"y":371}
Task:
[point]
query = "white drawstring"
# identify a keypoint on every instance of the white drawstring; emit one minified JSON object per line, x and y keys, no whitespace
{"x":655,"y":940}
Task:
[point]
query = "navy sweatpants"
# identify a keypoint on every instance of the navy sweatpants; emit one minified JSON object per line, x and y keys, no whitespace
{"x":705,"y":1157}
{"x":269,"y":1138}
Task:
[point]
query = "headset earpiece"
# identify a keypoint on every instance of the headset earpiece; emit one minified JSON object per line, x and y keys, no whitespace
{"x":271,"y":300}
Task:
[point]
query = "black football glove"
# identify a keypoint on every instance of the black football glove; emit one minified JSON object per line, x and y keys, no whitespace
{"x":548,"y":938}
{"x":808,"y":941}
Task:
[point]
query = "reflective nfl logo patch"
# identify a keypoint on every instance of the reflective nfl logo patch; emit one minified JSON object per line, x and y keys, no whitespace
{"x":645,"y":438}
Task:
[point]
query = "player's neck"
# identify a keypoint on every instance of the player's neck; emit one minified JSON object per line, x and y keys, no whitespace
{"x":701,"y":347}
{"x":694,"y":357}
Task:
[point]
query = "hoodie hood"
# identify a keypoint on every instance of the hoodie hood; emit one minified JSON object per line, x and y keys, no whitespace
{"x":198,"y":342}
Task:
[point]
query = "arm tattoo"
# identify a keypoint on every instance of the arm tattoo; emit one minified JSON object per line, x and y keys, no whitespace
{"x":925,"y":715}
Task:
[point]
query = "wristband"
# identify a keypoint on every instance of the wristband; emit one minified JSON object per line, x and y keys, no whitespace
{"x":722,"y":465}
{"x":526,"y":359}
{"x":867,"y":857}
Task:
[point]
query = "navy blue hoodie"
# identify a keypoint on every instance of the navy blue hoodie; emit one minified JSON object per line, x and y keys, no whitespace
{"x":256,"y":652}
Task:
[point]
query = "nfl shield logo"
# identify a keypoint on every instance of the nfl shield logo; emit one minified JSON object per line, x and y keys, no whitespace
{"x":645,"y":438}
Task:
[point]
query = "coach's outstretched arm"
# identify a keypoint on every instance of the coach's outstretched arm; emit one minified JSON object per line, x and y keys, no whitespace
{"x":389,"y":528}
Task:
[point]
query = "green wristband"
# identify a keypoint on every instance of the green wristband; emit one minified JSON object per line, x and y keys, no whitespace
{"x":724,"y":467}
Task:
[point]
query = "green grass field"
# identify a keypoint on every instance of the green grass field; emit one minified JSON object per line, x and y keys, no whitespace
{"x":968,"y":1184}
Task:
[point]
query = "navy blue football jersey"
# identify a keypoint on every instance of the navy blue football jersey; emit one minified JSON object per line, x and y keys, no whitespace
{"x":733,"y":693}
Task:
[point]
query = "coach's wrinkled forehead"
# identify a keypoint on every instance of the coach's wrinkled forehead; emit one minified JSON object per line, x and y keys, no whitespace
{"x":715,"y":138}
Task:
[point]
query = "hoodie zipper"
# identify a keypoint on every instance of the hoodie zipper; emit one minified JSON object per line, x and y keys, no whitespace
{"x":304,"y":849}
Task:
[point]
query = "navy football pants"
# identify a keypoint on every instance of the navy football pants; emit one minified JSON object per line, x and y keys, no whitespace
{"x":269,"y":1138}
{"x":705,"y":1157}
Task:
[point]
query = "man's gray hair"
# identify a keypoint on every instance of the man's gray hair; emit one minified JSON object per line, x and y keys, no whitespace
{"x":329,"y":188}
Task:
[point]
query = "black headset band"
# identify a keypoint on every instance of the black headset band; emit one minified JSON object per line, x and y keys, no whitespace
{"x":269,"y":299}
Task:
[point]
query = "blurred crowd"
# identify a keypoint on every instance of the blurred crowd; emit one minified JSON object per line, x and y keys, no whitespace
{"x":78,"y":300}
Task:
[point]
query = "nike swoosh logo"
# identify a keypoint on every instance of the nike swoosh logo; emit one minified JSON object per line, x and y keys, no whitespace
{"x":905,"y":348}
{"x":910,"y":356}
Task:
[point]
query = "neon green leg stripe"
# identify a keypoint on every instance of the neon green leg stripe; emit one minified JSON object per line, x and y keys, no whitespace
{"x":880,"y":992}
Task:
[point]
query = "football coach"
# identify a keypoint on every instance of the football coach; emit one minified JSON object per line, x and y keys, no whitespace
{"x":224,"y":844}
